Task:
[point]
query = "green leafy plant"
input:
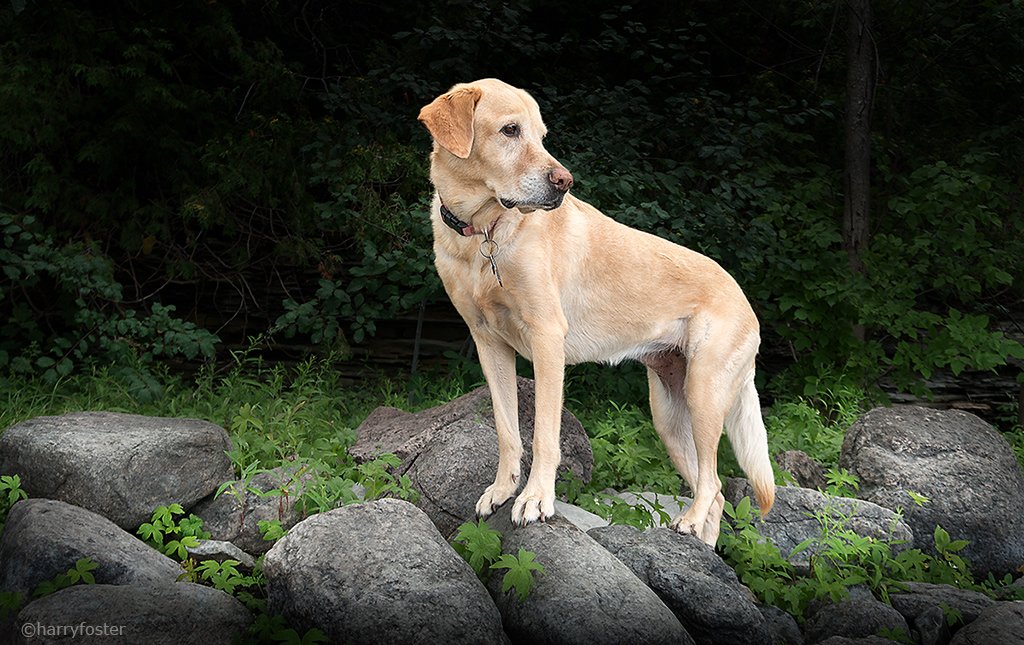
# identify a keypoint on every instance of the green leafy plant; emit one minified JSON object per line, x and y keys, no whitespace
{"x":271,"y":530}
{"x":87,"y":321}
{"x":759,"y":564}
{"x":953,"y":615}
{"x":11,"y":602}
{"x":840,"y":483}
{"x":479,"y":545}
{"x":841,"y":558}
{"x":917,"y":498}
{"x":80,"y":573}
{"x":274,"y":629}
{"x":10,"y":493}
{"x":379,"y":481}
{"x":628,"y":453}
{"x":950,"y":567}
{"x":642,"y":515}
{"x":170,"y":535}
{"x":520,"y":570}
{"x":223,"y":575}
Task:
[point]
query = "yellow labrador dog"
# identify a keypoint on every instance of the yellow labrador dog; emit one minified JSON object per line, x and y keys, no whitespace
{"x":534,"y":270}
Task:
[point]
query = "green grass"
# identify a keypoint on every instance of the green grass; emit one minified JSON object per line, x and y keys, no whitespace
{"x":305,"y":414}
{"x":274,"y":415}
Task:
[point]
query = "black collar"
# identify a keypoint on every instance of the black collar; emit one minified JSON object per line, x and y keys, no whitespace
{"x":462,"y":228}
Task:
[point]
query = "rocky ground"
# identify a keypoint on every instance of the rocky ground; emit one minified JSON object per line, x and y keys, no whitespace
{"x":383,"y":571}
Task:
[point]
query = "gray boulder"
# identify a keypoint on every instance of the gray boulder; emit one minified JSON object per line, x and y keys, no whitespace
{"x":806,"y":472}
{"x":1003,"y":623}
{"x":586,"y":595}
{"x":931,"y":626}
{"x":583,"y":519}
{"x":235,"y":514}
{"x":965,"y":468}
{"x":220,"y":551}
{"x":378,"y":573}
{"x":793,"y":519}
{"x":451,"y":451}
{"x":44,"y":538}
{"x":859,"y":615}
{"x":921,"y":596}
{"x":121,"y":466}
{"x":782,"y":627}
{"x":701,"y":589}
{"x":154,"y":613}
{"x":867,"y":640}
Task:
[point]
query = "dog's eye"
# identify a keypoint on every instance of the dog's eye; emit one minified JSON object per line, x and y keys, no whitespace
{"x":511,"y":130}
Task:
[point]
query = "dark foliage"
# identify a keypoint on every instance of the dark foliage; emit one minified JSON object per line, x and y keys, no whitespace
{"x":174,"y":177}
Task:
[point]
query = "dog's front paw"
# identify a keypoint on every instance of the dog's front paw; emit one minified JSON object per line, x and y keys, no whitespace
{"x":687,"y":524}
{"x":533,"y":505}
{"x":494,"y":496}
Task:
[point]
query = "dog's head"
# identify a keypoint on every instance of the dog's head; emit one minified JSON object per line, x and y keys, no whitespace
{"x":489,"y":137}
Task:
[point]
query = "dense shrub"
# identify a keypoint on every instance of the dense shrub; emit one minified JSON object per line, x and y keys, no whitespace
{"x":167,"y":170}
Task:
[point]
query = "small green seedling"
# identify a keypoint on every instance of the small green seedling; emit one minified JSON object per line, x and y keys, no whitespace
{"x":520,"y":572}
{"x":170,"y":536}
{"x":479,"y":545}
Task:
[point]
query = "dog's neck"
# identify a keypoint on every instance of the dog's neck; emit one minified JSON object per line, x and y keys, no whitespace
{"x":453,"y":222}
{"x":474,"y":216}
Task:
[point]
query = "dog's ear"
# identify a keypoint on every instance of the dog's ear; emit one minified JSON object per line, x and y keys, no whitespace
{"x":450,"y":119}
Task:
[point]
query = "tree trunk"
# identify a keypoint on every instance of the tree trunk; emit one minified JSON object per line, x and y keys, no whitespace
{"x":860,"y":89}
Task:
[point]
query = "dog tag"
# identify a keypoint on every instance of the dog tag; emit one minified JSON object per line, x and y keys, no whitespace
{"x":488,"y":249}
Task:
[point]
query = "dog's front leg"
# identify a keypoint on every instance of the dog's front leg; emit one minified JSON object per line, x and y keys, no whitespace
{"x":498,"y":361}
{"x":537,"y":501}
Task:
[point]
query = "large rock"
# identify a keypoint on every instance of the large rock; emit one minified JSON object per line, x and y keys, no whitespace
{"x":121,"y":466}
{"x":451,"y":451}
{"x":583,"y":519}
{"x":859,"y":615}
{"x":965,"y":468}
{"x":378,"y":573}
{"x":155,"y":614}
{"x":220,"y":551}
{"x":921,"y":596}
{"x":793,"y":519}
{"x":924,"y":605}
{"x":866,"y":640}
{"x":805,"y":471}
{"x":235,"y":514}
{"x":701,"y":589}
{"x":586,"y":595}
{"x":1002,"y":623}
{"x":932,"y":627}
{"x":44,"y":538}
{"x":782,"y":627}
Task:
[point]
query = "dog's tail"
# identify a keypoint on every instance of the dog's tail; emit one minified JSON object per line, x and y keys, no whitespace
{"x":749,"y":440}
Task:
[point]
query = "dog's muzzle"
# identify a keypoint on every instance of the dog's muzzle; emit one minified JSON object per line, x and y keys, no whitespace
{"x":559,"y":182}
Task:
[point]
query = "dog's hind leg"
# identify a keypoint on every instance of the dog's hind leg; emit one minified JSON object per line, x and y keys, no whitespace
{"x":707,"y":416}
{"x":498,"y":362}
{"x":666,"y":375}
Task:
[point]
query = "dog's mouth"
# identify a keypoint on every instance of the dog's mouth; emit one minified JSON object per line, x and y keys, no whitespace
{"x":529,"y":207}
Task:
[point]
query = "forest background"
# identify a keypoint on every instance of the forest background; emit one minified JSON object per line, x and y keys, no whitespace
{"x":183,"y":182}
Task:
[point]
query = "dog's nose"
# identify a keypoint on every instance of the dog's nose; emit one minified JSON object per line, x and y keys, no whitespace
{"x":561,"y":178}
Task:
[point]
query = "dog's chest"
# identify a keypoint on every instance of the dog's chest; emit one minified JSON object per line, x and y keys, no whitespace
{"x":485,"y":305}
